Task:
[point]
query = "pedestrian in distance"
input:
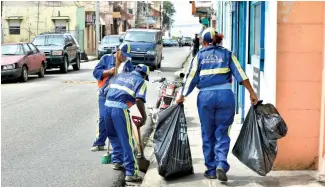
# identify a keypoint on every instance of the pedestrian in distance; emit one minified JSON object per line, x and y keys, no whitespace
{"x":125,"y":90}
{"x":211,"y":72}
{"x":196,"y":45}
{"x":106,"y":68}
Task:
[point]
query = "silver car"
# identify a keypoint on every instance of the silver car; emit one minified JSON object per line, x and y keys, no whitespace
{"x":108,"y":45}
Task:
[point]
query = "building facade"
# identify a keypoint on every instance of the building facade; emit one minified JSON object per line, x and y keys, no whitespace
{"x":25,"y":20}
{"x":148,"y":14}
{"x":281,"y":47}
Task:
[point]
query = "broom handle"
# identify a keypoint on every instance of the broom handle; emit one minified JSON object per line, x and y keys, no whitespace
{"x":140,"y":142}
{"x":136,"y":140}
{"x":117,"y":65}
{"x":108,"y":145}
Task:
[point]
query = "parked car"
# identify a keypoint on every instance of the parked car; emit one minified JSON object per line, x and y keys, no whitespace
{"x":61,"y":50}
{"x":18,"y":60}
{"x":187,"y":41}
{"x":108,"y":45}
{"x":167,"y":43}
{"x":174,"y":43}
{"x":146,"y":46}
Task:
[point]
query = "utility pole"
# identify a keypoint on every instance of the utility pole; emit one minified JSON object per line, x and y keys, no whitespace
{"x":160,"y":15}
{"x":97,"y":26}
{"x":2,"y":35}
{"x":147,"y":13}
{"x":37,"y":15}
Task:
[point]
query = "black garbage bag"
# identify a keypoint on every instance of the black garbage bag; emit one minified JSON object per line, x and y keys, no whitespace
{"x":256,"y":145}
{"x":171,"y":145}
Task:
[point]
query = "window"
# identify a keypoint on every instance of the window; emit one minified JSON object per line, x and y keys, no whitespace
{"x":14,"y":27}
{"x":33,"y":48}
{"x":12,"y":49}
{"x":75,"y":41}
{"x":66,"y":40}
{"x":111,"y":39}
{"x":71,"y":39}
{"x":257,"y":29}
{"x":53,"y":3}
{"x":60,"y":25}
{"x":140,"y":36}
{"x":26,"y":48}
{"x":55,"y":40}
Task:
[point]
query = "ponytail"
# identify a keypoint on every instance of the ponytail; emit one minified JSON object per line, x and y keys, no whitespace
{"x":217,"y":39}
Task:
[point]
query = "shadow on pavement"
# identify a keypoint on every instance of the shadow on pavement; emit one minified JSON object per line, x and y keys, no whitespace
{"x":31,"y":79}
{"x":70,"y":72}
{"x":273,"y":181}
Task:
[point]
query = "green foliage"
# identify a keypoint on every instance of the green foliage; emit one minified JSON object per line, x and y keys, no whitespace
{"x":168,"y":12}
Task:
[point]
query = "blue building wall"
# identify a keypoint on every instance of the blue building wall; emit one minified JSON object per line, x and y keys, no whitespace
{"x":243,"y":39}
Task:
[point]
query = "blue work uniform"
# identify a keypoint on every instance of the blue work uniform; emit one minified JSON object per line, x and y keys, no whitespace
{"x":105,"y":63}
{"x":124,"y":89}
{"x":211,"y":72}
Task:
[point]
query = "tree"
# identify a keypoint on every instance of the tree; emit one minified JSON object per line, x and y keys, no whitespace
{"x":168,"y":12}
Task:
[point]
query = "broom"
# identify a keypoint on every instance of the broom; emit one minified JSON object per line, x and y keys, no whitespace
{"x":107,"y":158}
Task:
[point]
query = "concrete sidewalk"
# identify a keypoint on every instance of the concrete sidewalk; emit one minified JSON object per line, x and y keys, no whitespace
{"x":239,"y":174}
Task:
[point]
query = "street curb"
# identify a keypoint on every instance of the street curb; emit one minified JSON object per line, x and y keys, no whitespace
{"x":186,"y":60}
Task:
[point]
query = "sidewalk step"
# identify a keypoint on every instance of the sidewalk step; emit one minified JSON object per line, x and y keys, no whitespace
{"x":238,"y":175}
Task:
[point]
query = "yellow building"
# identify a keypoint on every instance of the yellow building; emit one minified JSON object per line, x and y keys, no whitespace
{"x":25,"y":20}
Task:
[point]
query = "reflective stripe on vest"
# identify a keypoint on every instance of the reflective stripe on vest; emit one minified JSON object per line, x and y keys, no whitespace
{"x":124,"y":88}
{"x":214,"y":71}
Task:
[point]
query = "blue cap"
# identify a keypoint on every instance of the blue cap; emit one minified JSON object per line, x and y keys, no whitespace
{"x":141,"y":68}
{"x":208,"y":34}
{"x":125,"y":49}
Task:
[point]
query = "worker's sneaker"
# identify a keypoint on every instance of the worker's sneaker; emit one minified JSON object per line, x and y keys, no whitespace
{"x":117,"y":166}
{"x":209,"y":176}
{"x":134,"y":178}
{"x":221,"y":174}
{"x":98,"y":148}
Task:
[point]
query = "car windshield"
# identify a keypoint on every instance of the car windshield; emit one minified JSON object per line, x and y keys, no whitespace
{"x":107,"y":39}
{"x":12,"y":49}
{"x":49,"y":40}
{"x":140,"y":36}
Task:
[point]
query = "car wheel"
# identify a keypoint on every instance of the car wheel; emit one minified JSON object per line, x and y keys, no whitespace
{"x":76,"y":66}
{"x":41,"y":72}
{"x":24,"y":74}
{"x":64,"y":66}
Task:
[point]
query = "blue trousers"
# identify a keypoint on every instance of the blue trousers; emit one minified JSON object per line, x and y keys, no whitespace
{"x":119,"y":132}
{"x":101,"y":134}
{"x":216,"y":110}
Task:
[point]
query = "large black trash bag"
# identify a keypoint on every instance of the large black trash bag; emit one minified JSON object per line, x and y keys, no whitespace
{"x":256,"y":146}
{"x":171,"y":145}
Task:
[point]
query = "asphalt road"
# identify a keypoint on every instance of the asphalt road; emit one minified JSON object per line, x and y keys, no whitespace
{"x":48,"y":127}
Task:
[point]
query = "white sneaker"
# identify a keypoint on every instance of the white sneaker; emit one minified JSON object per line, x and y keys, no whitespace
{"x":97,"y":148}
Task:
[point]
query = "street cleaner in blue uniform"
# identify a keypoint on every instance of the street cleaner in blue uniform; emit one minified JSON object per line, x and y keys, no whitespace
{"x":211,"y":72}
{"x":125,"y":90}
{"x":103,"y":71}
